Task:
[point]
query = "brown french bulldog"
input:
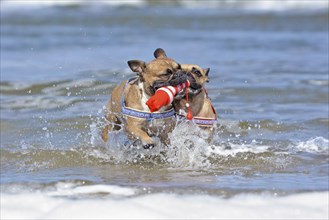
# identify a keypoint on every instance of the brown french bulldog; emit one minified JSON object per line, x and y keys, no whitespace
{"x":200,"y":104}
{"x":127,"y":104}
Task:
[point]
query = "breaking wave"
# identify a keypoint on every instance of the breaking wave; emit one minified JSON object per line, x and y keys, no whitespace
{"x":270,"y":5}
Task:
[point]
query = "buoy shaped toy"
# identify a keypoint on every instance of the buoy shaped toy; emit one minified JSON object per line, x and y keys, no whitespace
{"x":165,"y":96}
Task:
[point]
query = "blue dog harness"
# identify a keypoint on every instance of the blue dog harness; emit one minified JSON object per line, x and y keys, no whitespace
{"x":142,"y":114}
{"x":161,"y":115}
{"x":203,"y":122}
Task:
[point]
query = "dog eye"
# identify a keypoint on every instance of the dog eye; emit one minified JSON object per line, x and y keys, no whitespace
{"x":198,"y":73}
{"x":169,"y":72}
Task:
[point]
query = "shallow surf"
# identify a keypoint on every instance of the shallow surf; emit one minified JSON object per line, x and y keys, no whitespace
{"x":268,"y":82}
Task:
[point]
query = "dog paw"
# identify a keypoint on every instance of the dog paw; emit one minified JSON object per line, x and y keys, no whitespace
{"x":148,"y":146}
{"x":105,"y":135}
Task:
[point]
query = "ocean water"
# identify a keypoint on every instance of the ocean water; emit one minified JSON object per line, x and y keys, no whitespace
{"x":269,"y":83}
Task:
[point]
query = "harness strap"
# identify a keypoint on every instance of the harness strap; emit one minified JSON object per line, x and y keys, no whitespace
{"x":142,"y":114}
{"x":204,"y":121}
{"x":200,"y":120}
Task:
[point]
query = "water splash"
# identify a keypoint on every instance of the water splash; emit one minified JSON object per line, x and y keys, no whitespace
{"x":313,"y":145}
{"x":190,"y":148}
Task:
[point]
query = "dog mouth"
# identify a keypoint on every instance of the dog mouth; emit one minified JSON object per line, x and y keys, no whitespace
{"x":177,"y":78}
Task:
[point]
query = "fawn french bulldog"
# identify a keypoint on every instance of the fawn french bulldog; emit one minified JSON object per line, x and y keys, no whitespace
{"x":127,"y":104}
{"x":199,"y":103}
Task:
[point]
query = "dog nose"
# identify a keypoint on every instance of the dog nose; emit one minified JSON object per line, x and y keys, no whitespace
{"x":178,"y":78}
{"x":180,"y":72}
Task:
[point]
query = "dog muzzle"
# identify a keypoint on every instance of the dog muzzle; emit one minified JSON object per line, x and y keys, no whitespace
{"x":177,"y":78}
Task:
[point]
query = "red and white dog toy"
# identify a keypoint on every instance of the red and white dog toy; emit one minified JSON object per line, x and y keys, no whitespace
{"x":165,"y":96}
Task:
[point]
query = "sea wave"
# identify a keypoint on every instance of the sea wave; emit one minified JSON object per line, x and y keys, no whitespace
{"x":52,"y":95}
{"x":313,"y":145}
{"x":270,"y":5}
{"x":68,"y":3}
{"x":162,"y":206}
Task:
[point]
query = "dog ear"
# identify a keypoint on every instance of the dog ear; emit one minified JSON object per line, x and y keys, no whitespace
{"x":207,"y":71}
{"x":137,"y":66}
{"x":159,"y":53}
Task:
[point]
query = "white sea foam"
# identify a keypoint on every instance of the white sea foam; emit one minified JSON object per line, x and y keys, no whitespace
{"x":165,"y":206}
{"x":271,"y":5}
{"x":314,"y":145}
{"x":68,"y":189}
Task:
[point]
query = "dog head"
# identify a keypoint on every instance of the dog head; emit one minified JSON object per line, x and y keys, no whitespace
{"x":161,"y":71}
{"x":196,"y":75}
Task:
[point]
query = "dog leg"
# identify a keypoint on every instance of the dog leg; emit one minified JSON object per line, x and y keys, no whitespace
{"x":134,"y":130}
{"x":113,"y":126}
{"x":105,"y":133}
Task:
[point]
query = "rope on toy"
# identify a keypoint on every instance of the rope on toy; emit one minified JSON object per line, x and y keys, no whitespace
{"x":189,"y":115}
